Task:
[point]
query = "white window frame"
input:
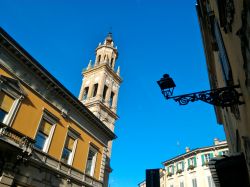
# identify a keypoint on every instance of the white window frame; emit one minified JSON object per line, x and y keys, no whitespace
{"x":194,"y":179}
{"x":93,"y":164}
{"x":47,"y":116}
{"x":73,"y":134}
{"x":207,"y":157}
{"x":16,"y":92}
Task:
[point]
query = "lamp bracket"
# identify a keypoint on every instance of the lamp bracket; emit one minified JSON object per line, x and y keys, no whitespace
{"x":224,"y":97}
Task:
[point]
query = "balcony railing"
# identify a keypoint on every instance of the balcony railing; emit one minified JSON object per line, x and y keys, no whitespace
{"x":16,"y":138}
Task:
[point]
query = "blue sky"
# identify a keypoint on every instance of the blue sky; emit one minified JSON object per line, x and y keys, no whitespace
{"x":153,"y":38}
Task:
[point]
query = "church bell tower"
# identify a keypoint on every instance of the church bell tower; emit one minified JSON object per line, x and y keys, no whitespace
{"x":99,"y":90}
{"x":101,"y":82}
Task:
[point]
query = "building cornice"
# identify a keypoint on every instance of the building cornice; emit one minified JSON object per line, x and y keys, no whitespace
{"x":7,"y":42}
{"x":195,"y":152}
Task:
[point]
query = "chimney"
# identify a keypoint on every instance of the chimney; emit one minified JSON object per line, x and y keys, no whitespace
{"x":216,"y":141}
{"x":187,"y":149}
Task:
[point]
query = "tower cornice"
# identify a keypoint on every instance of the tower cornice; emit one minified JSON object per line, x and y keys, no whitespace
{"x":103,"y":67}
{"x":104,"y":107}
{"x":107,"y":46}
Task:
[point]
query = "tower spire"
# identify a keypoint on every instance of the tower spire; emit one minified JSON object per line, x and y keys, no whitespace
{"x":89,"y":65}
{"x":118,"y":71}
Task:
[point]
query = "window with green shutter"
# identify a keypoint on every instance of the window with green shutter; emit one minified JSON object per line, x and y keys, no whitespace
{"x":211,"y":155}
{"x":191,"y":163}
{"x":195,"y":163}
{"x":170,"y":170}
{"x":203,"y":159}
{"x":206,"y":158}
{"x":180,"y":166}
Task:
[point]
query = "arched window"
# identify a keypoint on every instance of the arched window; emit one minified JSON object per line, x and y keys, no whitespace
{"x":111,"y":63}
{"x":95,"y":90}
{"x":85,"y":93}
{"x":104,"y":92}
{"x":111,"y":101}
{"x":99,"y":58}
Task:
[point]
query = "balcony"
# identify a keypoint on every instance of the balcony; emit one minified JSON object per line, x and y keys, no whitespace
{"x":10,"y":136}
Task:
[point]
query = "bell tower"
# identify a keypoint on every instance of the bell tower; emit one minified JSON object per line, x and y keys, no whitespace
{"x":100,"y":85}
{"x":99,"y":91}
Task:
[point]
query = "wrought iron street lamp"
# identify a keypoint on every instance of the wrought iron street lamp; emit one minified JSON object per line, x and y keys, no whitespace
{"x":224,"y":97}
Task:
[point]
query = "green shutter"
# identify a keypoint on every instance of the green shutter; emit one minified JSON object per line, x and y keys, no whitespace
{"x":220,"y":153}
{"x":168,"y":169}
{"x":182,"y":165}
{"x":211,"y":155}
{"x":173,"y":168}
{"x":195,"y":161}
{"x":177,"y":166}
{"x":188,"y":162}
{"x":203,"y":159}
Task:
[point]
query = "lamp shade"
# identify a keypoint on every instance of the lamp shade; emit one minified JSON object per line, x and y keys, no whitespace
{"x":166,"y":82}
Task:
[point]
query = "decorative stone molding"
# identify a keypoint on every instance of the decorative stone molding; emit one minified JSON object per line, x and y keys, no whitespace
{"x":226,"y":13}
{"x":244,"y":35}
{"x":65,"y":171}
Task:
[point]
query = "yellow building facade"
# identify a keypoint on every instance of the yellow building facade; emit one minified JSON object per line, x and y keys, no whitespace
{"x":47,"y":136}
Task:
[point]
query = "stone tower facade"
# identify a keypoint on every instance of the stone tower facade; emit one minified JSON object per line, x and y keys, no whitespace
{"x":99,"y":90}
{"x":100,"y":86}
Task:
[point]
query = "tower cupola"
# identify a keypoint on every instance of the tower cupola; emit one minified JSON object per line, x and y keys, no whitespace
{"x":106,"y":53}
{"x":109,"y":39}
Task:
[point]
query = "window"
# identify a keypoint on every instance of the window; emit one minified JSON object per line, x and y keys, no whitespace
{"x":85,"y":93}
{"x":170,"y":170}
{"x":45,"y":131}
{"x":226,"y":69}
{"x":192,"y":163}
{"x":210,"y":181}
{"x":11,"y":94}
{"x":181,"y":184}
{"x":104,"y":92}
{"x":43,"y":134}
{"x":69,"y":148}
{"x":95,"y":90}
{"x":6,"y":102}
{"x":206,"y":157}
{"x":222,"y":153}
{"x":180,"y":166}
{"x":111,"y":99}
{"x":90,"y":167}
{"x":111,"y":63}
{"x":194,"y":182}
{"x":99,"y":58}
